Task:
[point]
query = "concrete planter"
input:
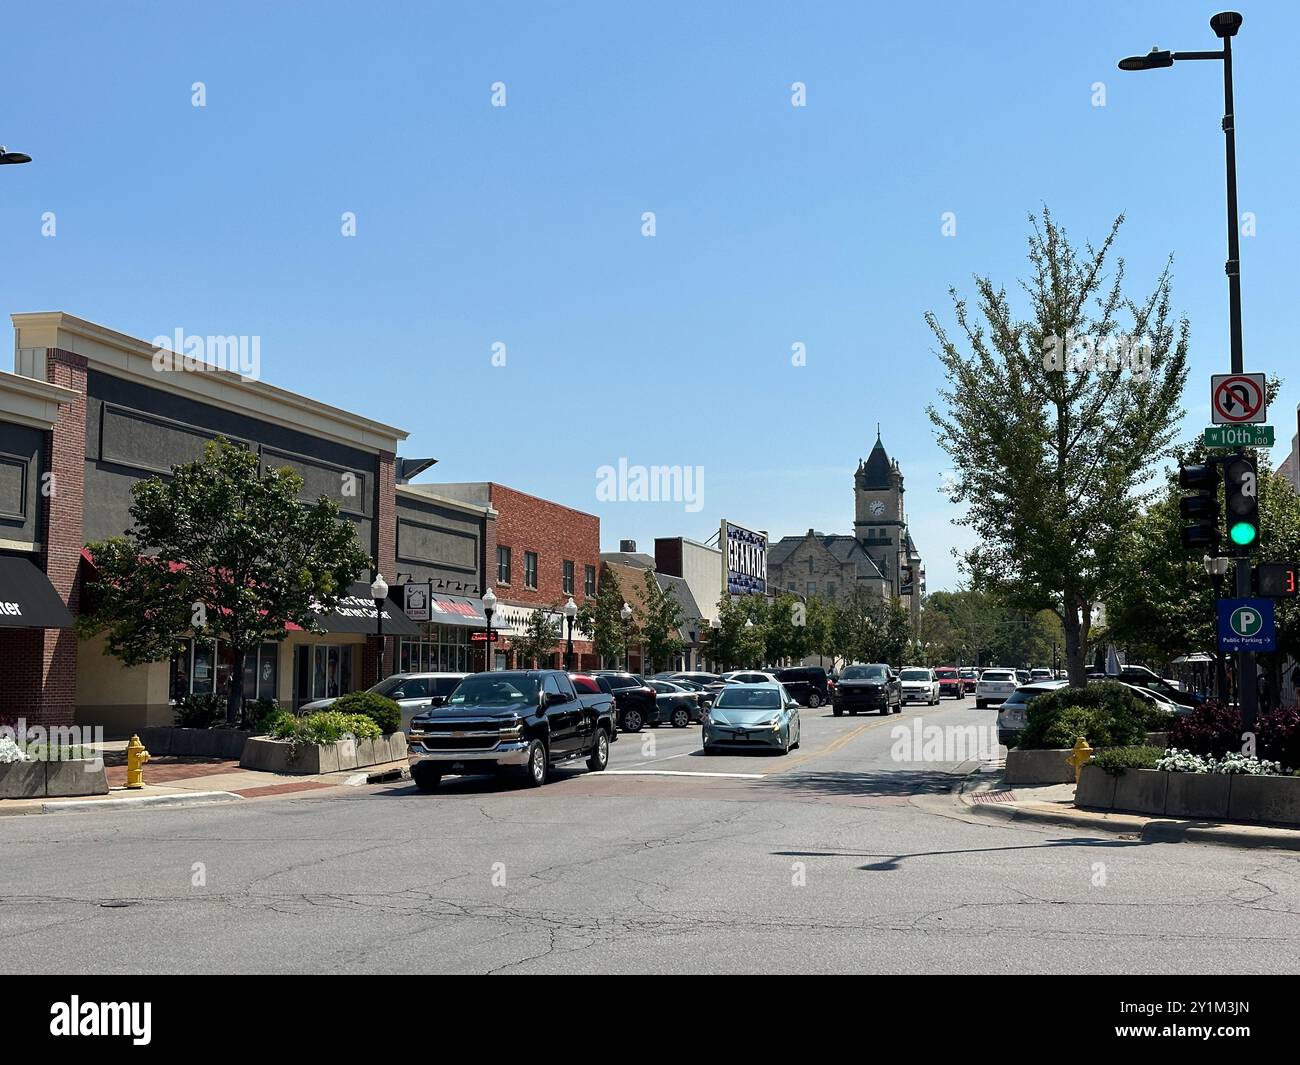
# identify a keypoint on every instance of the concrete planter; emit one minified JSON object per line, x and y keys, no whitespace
{"x":1195,"y":796}
{"x":194,"y":742}
{"x":279,"y":756}
{"x":1038,"y":767}
{"x":52,"y":780}
{"x":1158,"y":739}
{"x":1096,"y":789}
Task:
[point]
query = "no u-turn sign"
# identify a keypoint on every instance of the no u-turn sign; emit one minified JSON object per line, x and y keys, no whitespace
{"x":1247,"y":625}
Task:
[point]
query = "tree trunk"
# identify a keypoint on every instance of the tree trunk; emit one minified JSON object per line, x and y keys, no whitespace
{"x":235,"y":699}
{"x":1075,"y":643}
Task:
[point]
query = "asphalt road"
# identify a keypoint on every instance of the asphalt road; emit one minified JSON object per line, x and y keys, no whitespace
{"x":836,"y":858}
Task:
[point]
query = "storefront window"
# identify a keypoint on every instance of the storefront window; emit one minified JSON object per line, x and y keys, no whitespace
{"x":322,"y":671}
{"x":438,"y":649}
{"x":202,"y":667}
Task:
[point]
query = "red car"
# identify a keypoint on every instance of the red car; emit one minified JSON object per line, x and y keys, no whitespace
{"x":950,"y":682}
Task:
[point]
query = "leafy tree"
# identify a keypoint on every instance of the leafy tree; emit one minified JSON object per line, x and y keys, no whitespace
{"x":818,"y":619}
{"x":600,"y":618}
{"x":785,"y":638}
{"x":660,"y":627}
{"x":540,"y":635}
{"x":731,"y":644}
{"x":220,"y":549}
{"x":1049,"y":460}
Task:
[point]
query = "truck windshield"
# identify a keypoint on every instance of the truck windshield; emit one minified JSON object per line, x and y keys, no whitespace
{"x":484,"y":689}
{"x":865,"y":673}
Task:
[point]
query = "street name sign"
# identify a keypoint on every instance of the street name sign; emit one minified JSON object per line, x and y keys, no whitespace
{"x":1247,"y":625}
{"x":1239,"y":436}
{"x":1238,"y":399}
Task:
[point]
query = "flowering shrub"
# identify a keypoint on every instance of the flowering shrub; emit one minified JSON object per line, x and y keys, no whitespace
{"x":10,"y":751}
{"x":325,"y":726}
{"x":1211,"y":729}
{"x":1176,"y":761}
{"x":1279,"y":735}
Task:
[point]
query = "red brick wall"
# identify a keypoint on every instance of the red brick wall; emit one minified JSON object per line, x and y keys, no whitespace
{"x":555,"y":532}
{"x":40,"y":674}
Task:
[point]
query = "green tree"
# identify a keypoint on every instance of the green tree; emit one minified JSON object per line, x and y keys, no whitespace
{"x":818,"y":620}
{"x":732,"y":644}
{"x":220,"y":549}
{"x":599,"y":618}
{"x":661,"y":625}
{"x":540,"y":635}
{"x":786,"y":634}
{"x":1049,"y":458}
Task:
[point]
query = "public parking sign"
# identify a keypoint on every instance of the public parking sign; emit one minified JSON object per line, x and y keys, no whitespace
{"x":1238,"y":399}
{"x":1247,"y":625}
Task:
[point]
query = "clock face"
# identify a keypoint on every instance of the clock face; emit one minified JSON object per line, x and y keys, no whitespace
{"x":877,"y":508}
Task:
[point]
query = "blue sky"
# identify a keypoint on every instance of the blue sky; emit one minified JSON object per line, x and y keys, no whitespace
{"x":775,"y":225}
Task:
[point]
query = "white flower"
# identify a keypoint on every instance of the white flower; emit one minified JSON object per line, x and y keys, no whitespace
{"x":10,"y":751}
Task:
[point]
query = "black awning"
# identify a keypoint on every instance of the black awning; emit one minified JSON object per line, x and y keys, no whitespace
{"x":356,"y":613}
{"x":28,"y":599}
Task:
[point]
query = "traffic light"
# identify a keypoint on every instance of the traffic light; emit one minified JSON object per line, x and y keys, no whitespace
{"x":1202,"y":508}
{"x":1241,"y":500}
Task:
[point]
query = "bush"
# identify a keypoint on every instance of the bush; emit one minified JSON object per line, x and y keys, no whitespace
{"x":259,"y":713}
{"x":1105,"y":713}
{"x":1211,"y":729}
{"x":323,"y":727}
{"x":1117,"y":759}
{"x":200,"y":711}
{"x":1279,"y":735}
{"x":381,"y":710}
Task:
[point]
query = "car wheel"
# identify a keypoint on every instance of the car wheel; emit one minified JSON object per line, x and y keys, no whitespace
{"x":709,"y":750}
{"x":538,"y":768}
{"x":980,"y":704}
{"x":814,"y":701}
{"x":426,"y":777}
{"x":599,"y":757}
{"x":632,"y":721}
{"x":837,"y":711}
{"x":681,"y":718}
{"x":884,"y":709}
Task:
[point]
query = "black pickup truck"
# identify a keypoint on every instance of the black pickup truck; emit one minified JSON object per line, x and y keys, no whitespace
{"x":520,"y":721}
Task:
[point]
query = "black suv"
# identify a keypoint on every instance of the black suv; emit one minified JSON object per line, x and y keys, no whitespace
{"x":807,"y":684}
{"x":872,"y":687}
{"x":638,"y":703}
{"x":516,"y":721}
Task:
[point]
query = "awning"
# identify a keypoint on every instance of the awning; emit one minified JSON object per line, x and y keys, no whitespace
{"x":457,"y":610}
{"x":356,"y":613}
{"x":28,"y":599}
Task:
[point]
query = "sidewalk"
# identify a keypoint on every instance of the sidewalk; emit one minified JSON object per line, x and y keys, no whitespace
{"x":984,"y":795}
{"x":176,"y":781}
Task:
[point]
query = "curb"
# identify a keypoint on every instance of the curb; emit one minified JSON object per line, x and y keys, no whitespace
{"x":77,"y":806}
{"x":1150,"y":830}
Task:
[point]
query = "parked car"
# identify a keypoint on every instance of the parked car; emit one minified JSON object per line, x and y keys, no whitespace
{"x":994,"y":686}
{"x":674,"y":702}
{"x":1013,"y":715}
{"x":1022,"y":676}
{"x":760,"y":716}
{"x":512,"y":721}
{"x":950,"y":682}
{"x":867,"y":687}
{"x":1141,"y":677}
{"x":412,"y":692}
{"x":589,"y":687}
{"x":750,"y":676}
{"x":808,"y":684}
{"x":637,"y":701}
{"x":1039,"y":674}
{"x":920,"y":685}
{"x":969,"y":678}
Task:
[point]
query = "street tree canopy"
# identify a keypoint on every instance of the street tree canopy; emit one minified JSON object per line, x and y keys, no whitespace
{"x":223,"y":549}
{"x":1053,"y":423}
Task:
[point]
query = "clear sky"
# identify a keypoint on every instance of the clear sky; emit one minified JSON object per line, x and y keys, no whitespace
{"x":522,"y":225}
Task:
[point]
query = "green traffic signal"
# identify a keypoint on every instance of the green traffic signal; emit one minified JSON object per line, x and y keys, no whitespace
{"x":1242,"y":533}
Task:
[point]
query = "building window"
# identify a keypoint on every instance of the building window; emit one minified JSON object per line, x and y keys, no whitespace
{"x":791,"y":587}
{"x":438,"y":649}
{"x":503,"y":565}
{"x":530,"y":569}
{"x":830,"y":591}
{"x":810,"y":566}
{"x":203,"y":667}
{"x":812,"y":588}
{"x":322,"y":671}
{"x":589,"y":580}
{"x":568,"y":577}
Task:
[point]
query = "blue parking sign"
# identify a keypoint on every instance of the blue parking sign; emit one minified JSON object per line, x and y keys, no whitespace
{"x":1247,"y":625}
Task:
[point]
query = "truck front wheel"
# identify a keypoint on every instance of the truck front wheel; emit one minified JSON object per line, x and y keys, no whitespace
{"x":599,"y":757}
{"x":538,"y":768}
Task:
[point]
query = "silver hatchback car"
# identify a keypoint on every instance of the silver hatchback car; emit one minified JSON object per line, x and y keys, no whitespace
{"x":748,"y":717}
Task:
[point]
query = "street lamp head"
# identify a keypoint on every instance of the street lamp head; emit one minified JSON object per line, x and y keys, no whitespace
{"x":1151,"y":61}
{"x":379,"y":588}
{"x":625,"y":613}
{"x":570,"y":609}
{"x":7,"y":156}
{"x":1225,"y":24}
{"x":489,"y":601}
{"x":749,"y":623}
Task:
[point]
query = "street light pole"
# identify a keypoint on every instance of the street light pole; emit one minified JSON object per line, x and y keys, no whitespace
{"x":489,"y":608}
{"x":626,"y":615}
{"x":379,"y":593}
{"x":570,"y":612}
{"x":1225,"y":26}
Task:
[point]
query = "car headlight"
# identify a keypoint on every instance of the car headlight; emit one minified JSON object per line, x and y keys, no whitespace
{"x":513,"y":731}
{"x":776,"y":724}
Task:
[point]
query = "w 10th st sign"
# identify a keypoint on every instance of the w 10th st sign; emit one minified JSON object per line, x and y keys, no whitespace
{"x":1247,"y":625}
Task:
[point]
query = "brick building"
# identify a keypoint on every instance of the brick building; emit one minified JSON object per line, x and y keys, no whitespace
{"x":538,"y":554}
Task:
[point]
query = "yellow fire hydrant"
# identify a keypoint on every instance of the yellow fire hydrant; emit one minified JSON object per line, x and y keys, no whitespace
{"x":1079,"y":757}
{"x":136,"y":756}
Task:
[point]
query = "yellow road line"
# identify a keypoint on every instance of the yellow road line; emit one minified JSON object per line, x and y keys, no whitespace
{"x":836,"y":744}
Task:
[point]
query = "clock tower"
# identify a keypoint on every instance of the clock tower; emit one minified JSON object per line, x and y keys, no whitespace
{"x":879,"y":523}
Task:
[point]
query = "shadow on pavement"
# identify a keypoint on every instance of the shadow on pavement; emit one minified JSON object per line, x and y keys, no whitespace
{"x":891,"y":862}
{"x":877,"y":784}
